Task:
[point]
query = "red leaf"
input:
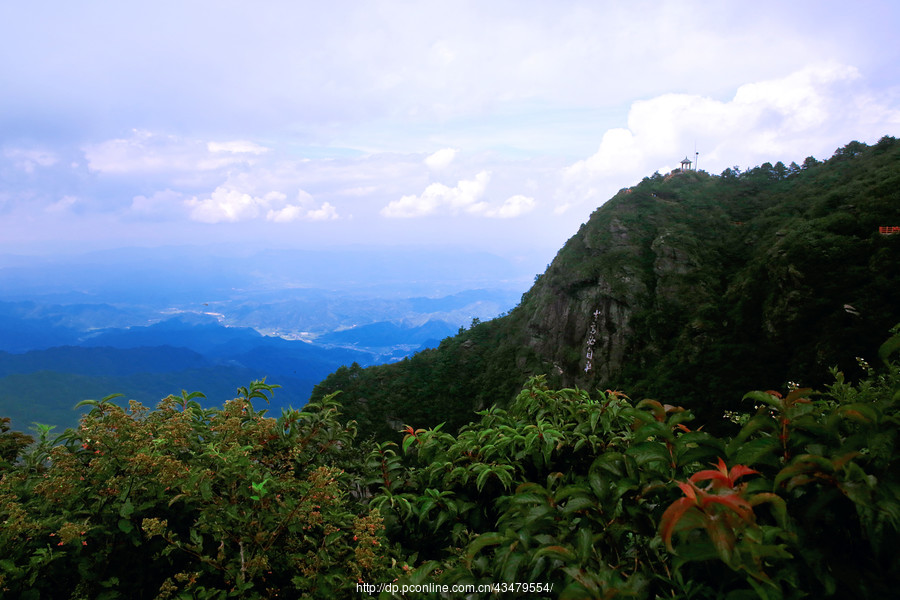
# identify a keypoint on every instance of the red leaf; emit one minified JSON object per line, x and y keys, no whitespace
{"x":717,"y":477}
{"x":671,"y":517}
{"x":689,"y":490}
{"x":738,"y":471}
{"x":723,"y":539}
{"x":722,"y":477}
{"x":732,"y":501}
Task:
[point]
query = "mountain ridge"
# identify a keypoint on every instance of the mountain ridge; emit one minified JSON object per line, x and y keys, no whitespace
{"x":690,"y":288}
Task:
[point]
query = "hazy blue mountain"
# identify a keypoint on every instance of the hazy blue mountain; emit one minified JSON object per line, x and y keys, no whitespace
{"x":152,"y":321}
{"x":200,"y":334}
{"x":103,"y":361}
{"x":19,"y":331}
{"x":386,"y":333}
{"x":49,"y":397}
{"x":184,"y":274}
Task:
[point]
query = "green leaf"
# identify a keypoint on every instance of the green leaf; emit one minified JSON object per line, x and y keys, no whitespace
{"x":757,"y":423}
{"x":576,"y":504}
{"x":195,"y":537}
{"x":755,"y":451}
{"x":779,"y":507}
{"x":765,"y":398}
{"x":889,"y":347}
{"x":558,"y":552}
{"x":505,"y":476}
{"x":408,"y":441}
{"x":568,"y":491}
{"x":654,"y":429}
{"x":595,"y":417}
{"x":805,"y":463}
{"x":482,"y":541}
{"x":125,"y":526}
{"x":206,"y":491}
{"x":861,"y":412}
{"x":425,"y":507}
{"x":647,"y":452}
{"x":584,"y":544}
{"x":511,"y":568}
{"x":482,"y":478}
{"x":459,"y":472}
{"x":697,"y":551}
{"x":9,"y":566}
{"x":611,"y":462}
{"x":126,"y":509}
{"x":597,"y":484}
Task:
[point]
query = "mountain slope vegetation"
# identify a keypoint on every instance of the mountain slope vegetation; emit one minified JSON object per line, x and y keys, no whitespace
{"x":562,"y":494}
{"x":688,"y":288}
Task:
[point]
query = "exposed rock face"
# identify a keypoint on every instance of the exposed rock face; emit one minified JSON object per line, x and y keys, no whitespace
{"x":594,"y":321}
{"x":584,"y":324}
{"x":582,"y":310}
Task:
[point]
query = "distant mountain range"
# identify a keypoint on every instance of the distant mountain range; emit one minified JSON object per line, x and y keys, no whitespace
{"x":106,"y":322}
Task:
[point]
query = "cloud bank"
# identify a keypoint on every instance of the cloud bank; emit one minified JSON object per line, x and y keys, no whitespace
{"x":466,"y":197}
{"x":346,"y":122}
{"x":815,"y":108}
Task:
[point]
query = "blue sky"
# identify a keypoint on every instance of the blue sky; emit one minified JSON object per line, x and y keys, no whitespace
{"x":497,"y":126}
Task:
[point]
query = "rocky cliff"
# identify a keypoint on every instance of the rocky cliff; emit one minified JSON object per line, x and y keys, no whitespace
{"x":691,"y":289}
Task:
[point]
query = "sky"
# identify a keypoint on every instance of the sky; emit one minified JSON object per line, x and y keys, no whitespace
{"x":488,"y":125}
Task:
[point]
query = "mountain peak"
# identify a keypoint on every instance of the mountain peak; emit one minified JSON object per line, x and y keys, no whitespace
{"x":689,"y":289}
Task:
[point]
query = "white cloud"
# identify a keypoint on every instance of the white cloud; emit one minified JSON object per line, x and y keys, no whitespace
{"x":810,"y":111}
{"x":513,"y":207}
{"x":29,"y":160}
{"x":297,"y":212}
{"x":224,"y":204}
{"x":439,"y":197}
{"x":289,"y":213}
{"x":362,"y":190}
{"x":519,"y":90}
{"x":465,"y":197}
{"x":148,"y":152}
{"x":62,"y":205}
{"x":237,"y":147}
{"x":441,"y":159}
{"x":325,"y":213}
{"x":229,"y":204}
{"x":159,"y":204}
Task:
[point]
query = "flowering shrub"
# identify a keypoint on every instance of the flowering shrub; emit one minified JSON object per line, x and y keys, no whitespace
{"x":185,"y":500}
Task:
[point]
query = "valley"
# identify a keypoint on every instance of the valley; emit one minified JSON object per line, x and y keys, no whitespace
{"x":150,"y":323}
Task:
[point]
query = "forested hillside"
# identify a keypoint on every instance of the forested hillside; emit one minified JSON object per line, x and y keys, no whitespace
{"x":563,"y":494}
{"x":688,"y":288}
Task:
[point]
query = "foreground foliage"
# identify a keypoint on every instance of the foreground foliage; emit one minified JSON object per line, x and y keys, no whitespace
{"x":189,"y":502}
{"x":605,"y":498}
{"x":598,"y":495}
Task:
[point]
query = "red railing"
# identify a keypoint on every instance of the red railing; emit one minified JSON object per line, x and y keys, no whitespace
{"x":888,"y":230}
